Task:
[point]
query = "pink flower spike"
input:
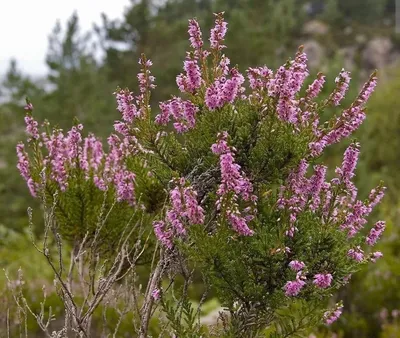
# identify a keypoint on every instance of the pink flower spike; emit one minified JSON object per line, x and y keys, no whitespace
{"x":333,"y":315}
{"x":297,"y":265}
{"x":293,"y":288}
{"x":217,"y":34}
{"x":323,"y":280}
{"x":194,"y":31}
{"x":375,"y":256}
{"x":29,"y":106}
{"x":156,"y":294}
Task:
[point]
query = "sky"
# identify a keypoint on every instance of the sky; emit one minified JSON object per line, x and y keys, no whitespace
{"x":26,"y":24}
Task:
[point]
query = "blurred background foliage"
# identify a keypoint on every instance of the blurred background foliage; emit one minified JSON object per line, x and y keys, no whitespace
{"x":84,"y":68}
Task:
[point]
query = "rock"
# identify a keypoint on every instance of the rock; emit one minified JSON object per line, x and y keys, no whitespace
{"x":377,"y":52}
{"x":212,"y":317}
{"x":315,"y":53}
{"x":348,"y":54}
{"x":315,"y":28}
{"x":3,"y":164}
{"x":361,"y":39}
{"x":394,"y":58}
{"x":348,"y":30}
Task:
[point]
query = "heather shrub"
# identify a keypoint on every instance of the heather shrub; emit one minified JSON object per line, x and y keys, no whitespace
{"x":225,"y":181}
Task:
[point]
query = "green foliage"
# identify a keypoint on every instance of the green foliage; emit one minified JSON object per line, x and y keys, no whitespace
{"x":380,"y":134}
{"x":182,"y":317}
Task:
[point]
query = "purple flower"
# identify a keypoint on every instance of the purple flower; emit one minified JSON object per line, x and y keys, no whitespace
{"x":184,"y":211}
{"x":375,"y":256}
{"x":126,"y":105}
{"x":297,"y":265}
{"x":183,"y":112}
{"x":217,"y":33}
{"x":194,"y":31}
{"x":375,"y":233}
{"x":191,"y":81}
{"x":376,"y":195}
{"x":357,"y":254}
{"x":224,"y":90}
{"x":259,"y":77}
{"x":23,"y":167}
{"x":155,"y":294}
{"x":293,"y":288}
{"x":342,"y":85}
{"x":333,"y":315}
{"x":29,"y":107}
{"x":315,"y":88}
{"x":162,"y":234}
{"x":233,"y":186}
{"x":316,"y":184}
{"x":124,"y":181}
{"x":31,"y":127}
{"x":346,"y":172}
{"x":323,"y":280}
{"x":367,"y":90}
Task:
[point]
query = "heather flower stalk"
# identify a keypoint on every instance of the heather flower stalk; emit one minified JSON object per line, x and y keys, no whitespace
{"x":233,"y":186}
{"x":375,"y":233}
{"x":323,"y":280}
{"x":342,"y":85}
{"x":196,"y":40}
{"x":333,"y":315}
{"x":218,"y":33}
{"x":297,"y":265}
{"x":293,"y":288}
{"x":315,"y":88}
{"x":183,"y":212}
{"x":183,"y":112}
{"x":63,"y":154}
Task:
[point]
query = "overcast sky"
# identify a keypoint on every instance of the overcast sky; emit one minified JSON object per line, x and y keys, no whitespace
{"x":26,"y":24}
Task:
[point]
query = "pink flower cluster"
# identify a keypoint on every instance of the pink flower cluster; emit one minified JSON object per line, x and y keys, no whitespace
{"x":126,"y":105}
{"x":315,"y":88}
{"x":259,"y":77}
{"x":233,"y":186}
{"x":224,"y":90}
{"x":297,"y":265}
{"x":348,"y":122}
{"x":31,"y":127}
{"x":63,"y":154}
{"x":131,"y":106}
{"x":196,"y":41}
{"x":23,"y":166}
{"x":217,"y":34}
{"x":357,"y":254}
{"x":293,"y":288}
{"x":182,"y":111}
{"x":346,"y":171}
{"x":342,"y":85}
{"x":333,"y":315}
{"x":191,"y":81}
{"x":323,"y":280}
{"x":303,"y":192}
{"x":375,"y":233}
{"x":315,"y":194}
{"x":286,"y":85}
{"x":184,"y":211}
{"x":375,"y":256}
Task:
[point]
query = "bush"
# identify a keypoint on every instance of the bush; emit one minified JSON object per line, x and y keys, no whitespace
{"x":235,"y":192}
